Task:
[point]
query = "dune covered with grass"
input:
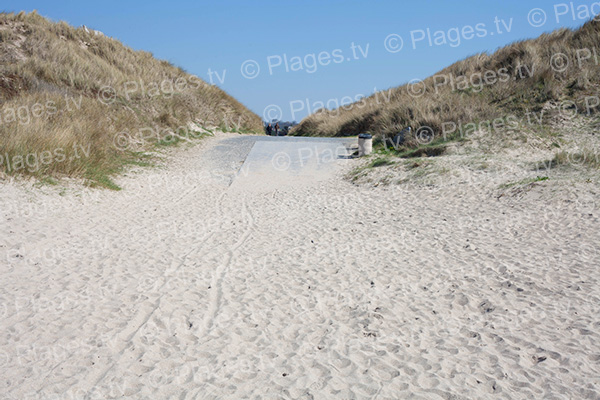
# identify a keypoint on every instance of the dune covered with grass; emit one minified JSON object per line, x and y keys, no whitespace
{"x":509,"y":88}
{"x":76,"y":103}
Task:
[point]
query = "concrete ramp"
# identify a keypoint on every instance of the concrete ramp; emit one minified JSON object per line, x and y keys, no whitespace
{"x":276,"y":162}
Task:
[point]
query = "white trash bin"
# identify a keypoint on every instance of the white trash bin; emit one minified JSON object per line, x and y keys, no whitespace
{"x":365,"y":144}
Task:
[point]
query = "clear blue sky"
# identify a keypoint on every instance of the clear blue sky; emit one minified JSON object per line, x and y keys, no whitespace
{"x":221,"y":35}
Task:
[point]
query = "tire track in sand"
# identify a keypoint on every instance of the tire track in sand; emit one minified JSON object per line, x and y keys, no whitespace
{"x":126,"y":335}
{"x":219,"y":274}
{"x":142,"y":317}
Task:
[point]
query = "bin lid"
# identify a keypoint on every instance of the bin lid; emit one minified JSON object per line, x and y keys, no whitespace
{"x":365,"y":136}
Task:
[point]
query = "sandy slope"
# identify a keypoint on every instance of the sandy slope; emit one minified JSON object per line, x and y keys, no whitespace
{"x":184,"y":286}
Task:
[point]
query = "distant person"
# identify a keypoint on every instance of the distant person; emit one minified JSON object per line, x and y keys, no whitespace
{"x":269,"y":129}
{"x":277,"y":129}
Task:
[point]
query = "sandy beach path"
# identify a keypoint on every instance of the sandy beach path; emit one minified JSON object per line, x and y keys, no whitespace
{"x":246,"y":267}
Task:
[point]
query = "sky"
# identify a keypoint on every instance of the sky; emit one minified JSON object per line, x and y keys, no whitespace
{"x":286,"y":58}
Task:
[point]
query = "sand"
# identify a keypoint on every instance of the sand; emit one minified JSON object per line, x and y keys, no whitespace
{"x":192,"y":283}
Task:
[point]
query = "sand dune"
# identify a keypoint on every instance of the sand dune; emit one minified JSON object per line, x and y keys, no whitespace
{"x":187,"y":284}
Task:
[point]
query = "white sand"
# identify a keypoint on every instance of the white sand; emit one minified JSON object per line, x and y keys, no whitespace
{"x":181,"y":286}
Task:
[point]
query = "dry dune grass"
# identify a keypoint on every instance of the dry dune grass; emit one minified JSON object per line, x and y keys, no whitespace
{"x":522,"y":77}
{"x":52,"y":77}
